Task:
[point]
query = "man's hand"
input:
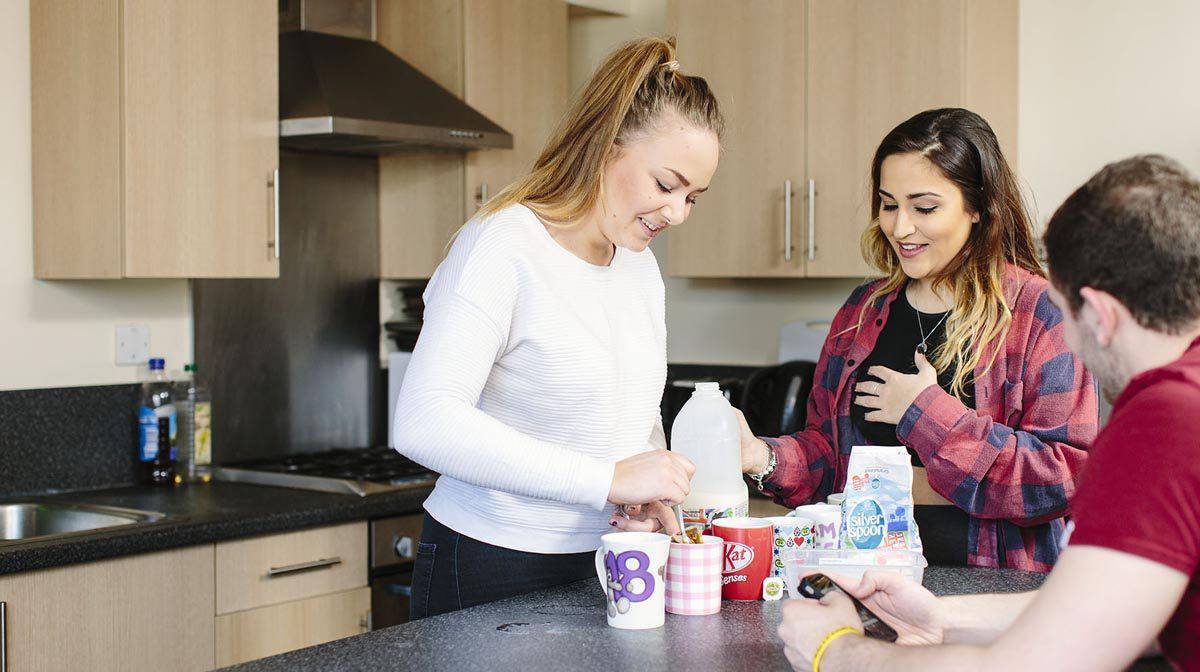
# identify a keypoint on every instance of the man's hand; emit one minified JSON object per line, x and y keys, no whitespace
{"x":806,"y":623}
{"x":916,"y":614}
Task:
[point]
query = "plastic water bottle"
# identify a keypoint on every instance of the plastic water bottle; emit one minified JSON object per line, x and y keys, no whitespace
{"x":706,"y":431}
{"x":156,"y":402}
{"x":193,"y":407}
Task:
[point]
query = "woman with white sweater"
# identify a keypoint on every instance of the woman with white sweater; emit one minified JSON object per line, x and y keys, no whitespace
{"x":535,"y":386}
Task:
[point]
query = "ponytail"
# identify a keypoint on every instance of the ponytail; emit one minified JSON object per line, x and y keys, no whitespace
{"x":624,"y":100}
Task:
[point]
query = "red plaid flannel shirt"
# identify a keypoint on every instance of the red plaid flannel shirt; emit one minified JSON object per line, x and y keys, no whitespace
{"x":1010,"y":463}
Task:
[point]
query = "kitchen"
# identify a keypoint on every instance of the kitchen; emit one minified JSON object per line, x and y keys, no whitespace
{"x":127,"y":217}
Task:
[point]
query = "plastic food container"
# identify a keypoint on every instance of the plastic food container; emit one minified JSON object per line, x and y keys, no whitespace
{"x":849,"y":564}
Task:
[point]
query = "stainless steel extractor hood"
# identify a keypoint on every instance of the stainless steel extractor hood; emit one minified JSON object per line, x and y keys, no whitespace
{"x":342,"y":92}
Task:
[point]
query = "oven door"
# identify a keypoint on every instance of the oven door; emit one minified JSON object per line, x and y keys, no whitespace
{"x":393,"y":553}
{"x":390,"y":597}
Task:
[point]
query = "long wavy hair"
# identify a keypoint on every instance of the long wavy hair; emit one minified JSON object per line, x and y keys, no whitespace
{"x":624,"y":100}
{"x":964,"y":148}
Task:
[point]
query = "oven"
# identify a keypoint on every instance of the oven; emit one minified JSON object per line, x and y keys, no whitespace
{"x":393,"y":553}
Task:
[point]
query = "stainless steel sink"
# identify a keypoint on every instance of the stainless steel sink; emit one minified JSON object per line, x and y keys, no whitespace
{"x":29,"y":521}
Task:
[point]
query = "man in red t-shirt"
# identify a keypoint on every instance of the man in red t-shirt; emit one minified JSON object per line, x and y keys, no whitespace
{"x":1124,"y":258}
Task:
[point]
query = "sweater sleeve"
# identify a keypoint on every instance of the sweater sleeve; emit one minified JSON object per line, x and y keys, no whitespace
{"x":1026,"y":472}
{"x":438,"y":423}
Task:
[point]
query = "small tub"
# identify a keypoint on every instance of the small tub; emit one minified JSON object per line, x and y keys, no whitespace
{"x":849,"y":564}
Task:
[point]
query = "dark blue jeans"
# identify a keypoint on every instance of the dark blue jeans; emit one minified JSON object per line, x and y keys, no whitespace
{"x":454,"y":571}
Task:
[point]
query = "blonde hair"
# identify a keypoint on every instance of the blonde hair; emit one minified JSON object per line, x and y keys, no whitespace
{"x":965,"y":150}
{"x":624,"y":99}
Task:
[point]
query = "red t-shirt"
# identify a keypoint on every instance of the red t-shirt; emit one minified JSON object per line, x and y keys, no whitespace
{"x":1140,"y":490}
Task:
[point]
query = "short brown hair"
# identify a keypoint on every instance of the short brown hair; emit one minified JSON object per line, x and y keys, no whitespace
{"x":1133,"y":231}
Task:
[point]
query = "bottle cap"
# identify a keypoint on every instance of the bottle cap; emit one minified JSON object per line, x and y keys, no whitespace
{"x":190,"y":368}
{"x":157,"y":363}
{"x":708,"y":388}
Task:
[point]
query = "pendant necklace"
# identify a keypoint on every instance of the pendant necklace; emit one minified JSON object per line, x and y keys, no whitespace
{"x":922,"y":348}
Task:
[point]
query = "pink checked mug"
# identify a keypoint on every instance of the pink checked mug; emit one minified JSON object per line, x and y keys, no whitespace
{"x":694,"y":577}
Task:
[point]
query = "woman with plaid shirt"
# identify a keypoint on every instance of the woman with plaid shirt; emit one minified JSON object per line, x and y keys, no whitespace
{"x":956,"y":353}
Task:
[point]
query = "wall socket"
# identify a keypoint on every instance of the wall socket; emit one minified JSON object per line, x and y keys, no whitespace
{"x":133,"y":344}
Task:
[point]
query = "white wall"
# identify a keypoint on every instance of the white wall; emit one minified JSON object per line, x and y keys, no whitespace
{"x":1099,"y":80}
{"x":58,"y":334}
{"x":1102,"y":80}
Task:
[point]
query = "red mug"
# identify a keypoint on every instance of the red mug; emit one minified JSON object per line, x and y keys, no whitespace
{"x":747,"y":556}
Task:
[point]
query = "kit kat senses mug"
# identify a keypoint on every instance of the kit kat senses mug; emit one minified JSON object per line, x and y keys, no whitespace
{"x":747,"y":556}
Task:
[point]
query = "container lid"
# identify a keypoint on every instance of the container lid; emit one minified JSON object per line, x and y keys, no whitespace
{"x":157,"y":363}
{"x":190,"y":368}
{"x":708,"y":388}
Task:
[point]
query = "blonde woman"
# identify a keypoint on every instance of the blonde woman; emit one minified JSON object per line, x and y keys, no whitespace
{"x":956,"y":353}
{"x":534,"y":388}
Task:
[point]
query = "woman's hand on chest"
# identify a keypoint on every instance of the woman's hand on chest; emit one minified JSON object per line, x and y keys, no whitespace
{"x":893,"y":396}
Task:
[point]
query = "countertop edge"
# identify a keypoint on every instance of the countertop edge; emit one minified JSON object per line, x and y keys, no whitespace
{"x":183,"y":530}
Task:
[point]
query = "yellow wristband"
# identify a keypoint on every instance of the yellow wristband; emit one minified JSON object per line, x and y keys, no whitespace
{"x":826,"y":642}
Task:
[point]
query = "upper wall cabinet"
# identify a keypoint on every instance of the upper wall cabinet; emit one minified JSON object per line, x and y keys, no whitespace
{"x":808,"y":89}
{"x":155,"y":138}
{"x":505,"y":58}
{"x":753,"y":55}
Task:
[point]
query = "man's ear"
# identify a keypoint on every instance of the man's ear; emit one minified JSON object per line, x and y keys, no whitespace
{"x":1102,"y":313}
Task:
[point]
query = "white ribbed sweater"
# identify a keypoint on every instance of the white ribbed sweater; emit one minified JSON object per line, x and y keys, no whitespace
{"x":535,"y":372}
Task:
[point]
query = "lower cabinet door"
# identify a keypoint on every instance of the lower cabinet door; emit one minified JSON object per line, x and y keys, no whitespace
{"x":151,"y":613}
{"x":266,"y":631}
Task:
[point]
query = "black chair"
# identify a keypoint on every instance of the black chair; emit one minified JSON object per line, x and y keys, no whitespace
{"x":775,"y":398}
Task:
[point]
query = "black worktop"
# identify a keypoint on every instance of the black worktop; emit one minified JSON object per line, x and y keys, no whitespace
{"x":564,"y":629}
{"x":198,"y":514}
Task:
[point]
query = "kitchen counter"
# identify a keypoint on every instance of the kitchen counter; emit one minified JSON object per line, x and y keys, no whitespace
{"x":564,"y":629}
{"x":199,"y":514}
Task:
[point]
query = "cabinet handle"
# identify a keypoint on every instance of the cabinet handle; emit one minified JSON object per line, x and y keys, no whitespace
{"x":787,"y":220}
{"x":274,"y":244}
{"x":3,"y":637}
{"x":481,"y":196}
{"x":812,"y":219}
{"x":303,"y":567}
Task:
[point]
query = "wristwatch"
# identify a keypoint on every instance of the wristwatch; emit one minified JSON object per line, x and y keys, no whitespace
{"x":765,"y":473}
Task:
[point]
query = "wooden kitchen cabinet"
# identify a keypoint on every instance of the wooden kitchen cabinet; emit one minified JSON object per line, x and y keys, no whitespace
{"x":266,"y":631}
{"x":515,"y":73}
{"x":155,"y":138}
{"x":809,"y":89}
{"x":149,"y":612}
{"x":508,"y":60}
{"x":874,"y":64}
{"x":741,"y":227}
{"x":287,"y":591}
{"x":279,"y":568}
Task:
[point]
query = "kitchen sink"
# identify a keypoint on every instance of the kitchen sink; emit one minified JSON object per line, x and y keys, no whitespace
{"x":29,"y":521}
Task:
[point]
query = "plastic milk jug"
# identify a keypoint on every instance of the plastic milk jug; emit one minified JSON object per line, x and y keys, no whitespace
{"x":706,"y":432}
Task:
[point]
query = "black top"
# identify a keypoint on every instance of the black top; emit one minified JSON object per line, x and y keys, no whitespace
{"x":944,"y":529}
{"x":895,"y":350}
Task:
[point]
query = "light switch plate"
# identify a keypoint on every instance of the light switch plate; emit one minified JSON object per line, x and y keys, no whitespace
{"x":133,"y":344}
